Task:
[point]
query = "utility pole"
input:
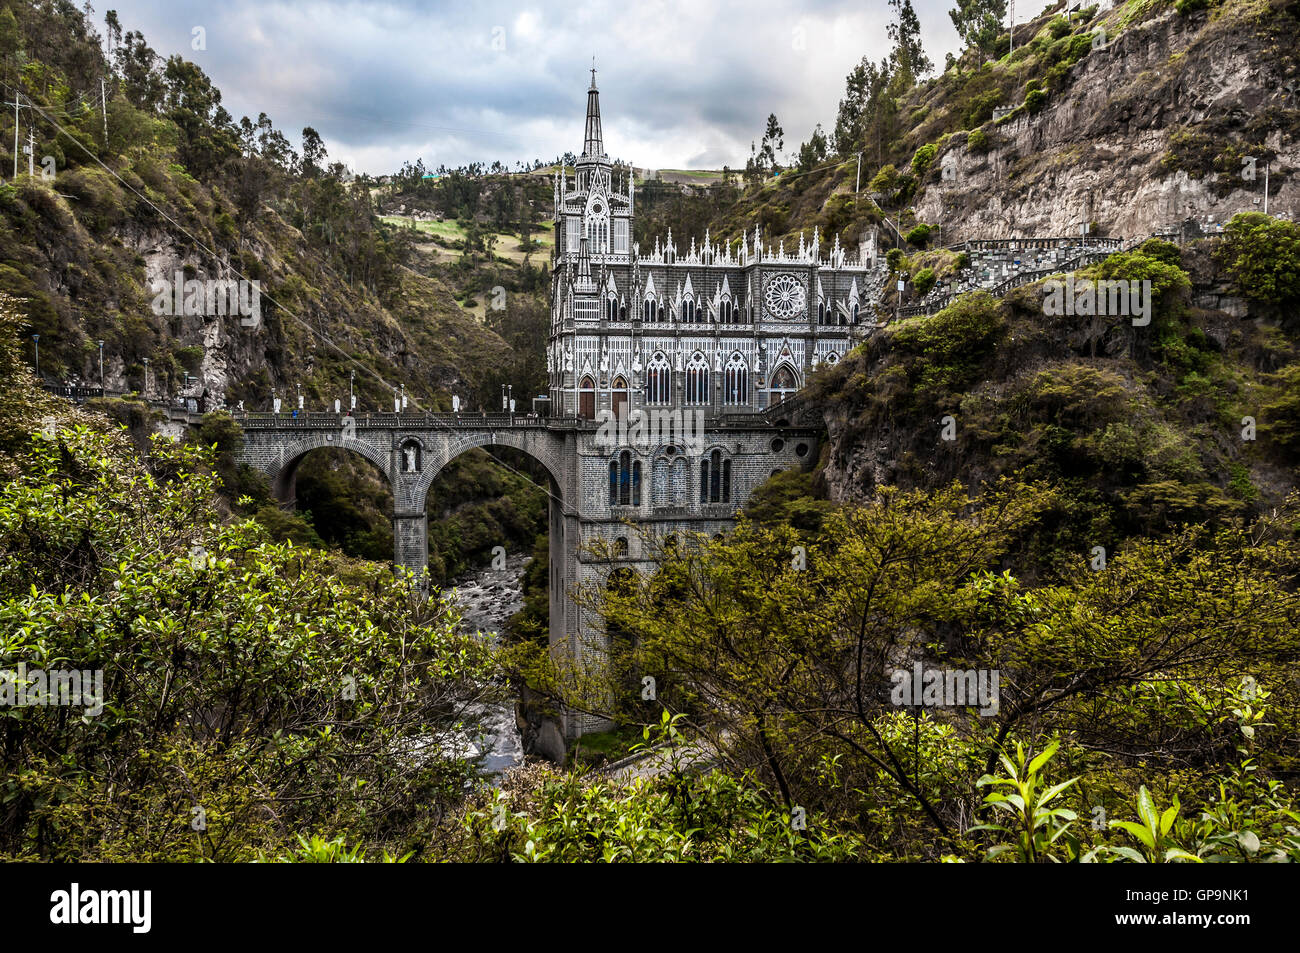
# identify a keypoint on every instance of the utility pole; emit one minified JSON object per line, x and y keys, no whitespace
{"x":857,"y":183}
{"x":1011,"y":24}
{"x":146,"y":378}
{"x":36,"y":339}
{"x":31,"y":154}
{"x":103,"y":105}
{"x":352,"y":400}
{"x":1265,"y":186}
{"x":15,"y":105}
{"x":101,"y":364}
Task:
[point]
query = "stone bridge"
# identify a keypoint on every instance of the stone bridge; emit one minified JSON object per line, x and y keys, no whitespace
{"x":608,"y":489}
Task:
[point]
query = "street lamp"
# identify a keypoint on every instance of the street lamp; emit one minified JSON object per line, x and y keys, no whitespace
{"x":36,"y":340}
{"x":298,"y":387}
{"x":146,"y":377}
{"x":352,"y":400}
{"x":101,"y":364}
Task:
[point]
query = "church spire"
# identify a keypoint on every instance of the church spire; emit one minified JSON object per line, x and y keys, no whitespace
{"x":593,"y":143}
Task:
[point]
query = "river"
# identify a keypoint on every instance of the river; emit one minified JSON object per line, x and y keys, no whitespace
{"x":487,"y":598}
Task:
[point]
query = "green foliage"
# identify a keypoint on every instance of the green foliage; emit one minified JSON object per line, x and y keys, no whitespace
{"x":977,"y":141}
{"x":896,"y":260}
{"x":1262,"y":257}
{"x":923,"y":158}
{"x":923,"y":281}
{"x":1032,"y":825}
{"x":1035,"y":99}
{"x":952,"y":343}
{"x":682,"y":817}
{"x":279,"y":683}
{"x":918,"y":236}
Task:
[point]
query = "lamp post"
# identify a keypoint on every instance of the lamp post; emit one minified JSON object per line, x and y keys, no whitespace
{"x":36,"y":340}
{"x":352,"y":400}
{"x":101,"y":364}
{"x":146,"y":378}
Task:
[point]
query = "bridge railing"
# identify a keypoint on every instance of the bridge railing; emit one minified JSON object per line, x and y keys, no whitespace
{"x":316,"y":420}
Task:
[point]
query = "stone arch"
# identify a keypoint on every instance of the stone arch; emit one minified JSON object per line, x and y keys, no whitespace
{"x":283,"y":474}
{"x":439,"y":453}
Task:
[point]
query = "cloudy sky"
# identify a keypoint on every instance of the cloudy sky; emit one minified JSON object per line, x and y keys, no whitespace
{"x":684,"y":83}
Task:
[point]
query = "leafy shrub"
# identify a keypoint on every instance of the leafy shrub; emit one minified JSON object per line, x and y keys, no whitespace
{"x":1262,"y":257}
{"x":895,"y":259}
{"x":918,"y":236}
{"x":1035,"y":99}
{"x":924,"y":156}
{"x":923,"y":281}
{"x":977,"y":141}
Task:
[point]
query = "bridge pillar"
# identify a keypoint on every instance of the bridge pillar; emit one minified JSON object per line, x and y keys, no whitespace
{"x":411,"y":540}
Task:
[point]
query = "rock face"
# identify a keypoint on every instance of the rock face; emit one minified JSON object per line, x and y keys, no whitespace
{"x":1149,"y":131}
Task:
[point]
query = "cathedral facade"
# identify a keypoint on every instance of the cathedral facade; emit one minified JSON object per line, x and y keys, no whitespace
{"x":707,"y":329}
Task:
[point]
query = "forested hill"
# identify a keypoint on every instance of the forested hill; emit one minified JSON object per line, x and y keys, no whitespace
{"x":157,"y":178}
{"x":1132,"y":118}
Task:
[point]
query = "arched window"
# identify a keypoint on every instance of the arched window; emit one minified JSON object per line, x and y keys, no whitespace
{"x":648,"y":310}
{"x":620,"y":546}
{"x":697,"y":380}
{"x":784,"y":384}
{"x":855,"y":314}
{"x":618,"y":397}
{"x":622,"y":312}
{"x":715,"y":479}
{"x":587,"y":398}
{"x":658,"y":381}
{"x":611,"y":308}
{"x":724,"y":311}
{"x":624,"y":480}
{"x":736,"y":390}
{"x":688,"y":310}
{"x":821,"y":312}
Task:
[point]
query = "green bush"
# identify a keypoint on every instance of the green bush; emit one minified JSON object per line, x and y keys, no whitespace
{"x":1035,"y":99}
{"x":895,"y":259}
{"x":918,"y":236}
{"x":923,"y":281}
{"x":1262,"y":257}
{"x":924,"y":156}
{"x":977,"y":141}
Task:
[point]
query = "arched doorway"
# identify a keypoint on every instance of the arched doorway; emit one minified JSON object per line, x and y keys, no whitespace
{"x":587,"y":399}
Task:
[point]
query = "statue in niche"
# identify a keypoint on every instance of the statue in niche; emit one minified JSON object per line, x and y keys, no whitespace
{"x":411,"y":454}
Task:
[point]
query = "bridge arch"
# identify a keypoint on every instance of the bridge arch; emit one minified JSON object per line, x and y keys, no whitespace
{"x":536,"y":444}
{"x":283,"y":470}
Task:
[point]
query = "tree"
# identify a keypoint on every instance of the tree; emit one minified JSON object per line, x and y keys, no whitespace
{"x":978,"y":23}
{"x":313,"y":152}
{"x":773,"y":143}
{"x":908,"y":56}
{"x":813,"y":151}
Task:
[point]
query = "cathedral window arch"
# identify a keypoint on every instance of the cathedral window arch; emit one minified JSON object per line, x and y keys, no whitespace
{"x":736,"y":380}
{"x":658,"y":380}
{"x":587,"y":398}
{"x":697,"y":380}
{"x":648,"y":310}
{"x":784,"y":384}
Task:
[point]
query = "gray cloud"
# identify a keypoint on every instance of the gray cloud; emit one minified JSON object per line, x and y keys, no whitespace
{"x":682,"y":83}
